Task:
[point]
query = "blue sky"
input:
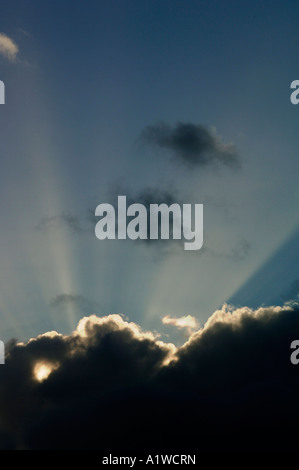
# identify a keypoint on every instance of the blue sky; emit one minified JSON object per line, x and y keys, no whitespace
{"x":86,"y":81}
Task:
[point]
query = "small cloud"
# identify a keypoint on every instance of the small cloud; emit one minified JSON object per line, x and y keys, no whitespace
{"x":187,"y":321}
{"x":191,"y":144}
{"x":8,"y":48}
{"x":145,"y":196}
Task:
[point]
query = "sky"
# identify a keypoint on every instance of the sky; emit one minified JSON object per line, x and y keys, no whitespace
{"x":161,"y":101}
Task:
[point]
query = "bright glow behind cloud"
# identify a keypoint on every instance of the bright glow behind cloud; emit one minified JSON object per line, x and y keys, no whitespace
{"x":42,"y":370}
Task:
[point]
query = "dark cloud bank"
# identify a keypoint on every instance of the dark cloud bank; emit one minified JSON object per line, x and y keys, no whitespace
{"x":230,"y":387}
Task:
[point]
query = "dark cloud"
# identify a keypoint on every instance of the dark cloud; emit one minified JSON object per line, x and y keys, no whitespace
{"x":169,"y":194}
{"x":150,"y":195}
{"x":230,"y":387}
{"x":85,"y":225}
{"x":192,"y":144}
{"x":155,"y":195}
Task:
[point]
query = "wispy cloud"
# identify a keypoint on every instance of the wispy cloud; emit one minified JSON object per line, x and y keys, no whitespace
{"x":8,"y":48}
{"x":82,"y":303}
{"x":63,"y":220}
{"x":24,"y":32}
